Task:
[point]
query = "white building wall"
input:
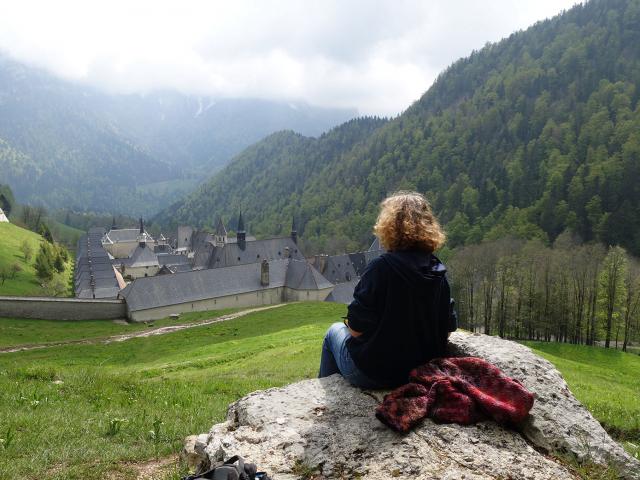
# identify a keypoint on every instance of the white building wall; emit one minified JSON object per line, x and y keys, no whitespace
{"x":252,"y":299}
{"x":269,"y":296}
{"x":139,"y":272}
{"x":292,"y":295}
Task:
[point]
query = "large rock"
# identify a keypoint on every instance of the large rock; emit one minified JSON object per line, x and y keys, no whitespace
{"x":328,"y":427}
{"x":558,"y":423}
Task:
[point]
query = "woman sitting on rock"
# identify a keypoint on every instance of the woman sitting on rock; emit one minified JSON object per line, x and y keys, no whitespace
{"x":402,"y":312}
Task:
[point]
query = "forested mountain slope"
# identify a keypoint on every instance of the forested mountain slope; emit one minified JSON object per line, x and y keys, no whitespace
{"x":531,"y":135}
{"x":268,"y":180}
{"x":67,"y":145}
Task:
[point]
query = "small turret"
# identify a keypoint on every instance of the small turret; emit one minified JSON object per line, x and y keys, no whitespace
{"x":142,"y":236}
{"x":221,"y":233}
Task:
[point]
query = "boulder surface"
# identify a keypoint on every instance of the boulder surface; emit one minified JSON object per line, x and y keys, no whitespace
{"x":325,"y":428}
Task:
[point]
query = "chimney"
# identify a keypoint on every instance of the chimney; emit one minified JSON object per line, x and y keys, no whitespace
{"x":320,"y":262}
{"x":264,"y":273}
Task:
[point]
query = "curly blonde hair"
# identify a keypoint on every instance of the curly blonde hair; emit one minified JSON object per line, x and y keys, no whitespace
{"x":406,"y":222}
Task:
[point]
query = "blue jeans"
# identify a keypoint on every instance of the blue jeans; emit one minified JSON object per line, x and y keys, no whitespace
{"x":336,"y":358}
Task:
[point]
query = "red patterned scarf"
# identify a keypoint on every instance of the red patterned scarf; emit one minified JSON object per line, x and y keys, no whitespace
{"x":460,"y":390}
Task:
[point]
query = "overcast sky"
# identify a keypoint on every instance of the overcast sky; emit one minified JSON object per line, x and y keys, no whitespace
{"x":376,"y":56}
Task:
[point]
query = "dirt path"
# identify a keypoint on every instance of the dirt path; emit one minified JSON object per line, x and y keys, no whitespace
{"x":145,"y":333}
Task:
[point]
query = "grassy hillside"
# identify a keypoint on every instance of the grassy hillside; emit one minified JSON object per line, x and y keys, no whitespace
{"x":136,"y":400}
{"x":606,"y":381}
{"x":20,"y":331}
{"x":64,"y":234}
{"x":25,"y":281}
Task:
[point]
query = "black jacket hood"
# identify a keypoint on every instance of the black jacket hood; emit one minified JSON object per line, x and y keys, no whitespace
{"x":416,"y":267}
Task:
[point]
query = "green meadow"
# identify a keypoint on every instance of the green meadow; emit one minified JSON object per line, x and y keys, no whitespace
{"x":606,"y":381}
{"x":25,"y":281}
{"x":99,"y":410}
{"x":76,"y":410}
{"x":19,"y":331}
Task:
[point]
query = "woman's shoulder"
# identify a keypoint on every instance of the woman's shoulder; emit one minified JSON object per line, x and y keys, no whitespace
{"x":378,"y":264}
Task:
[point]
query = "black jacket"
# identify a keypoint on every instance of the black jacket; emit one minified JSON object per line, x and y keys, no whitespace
{"x":403,"y":307}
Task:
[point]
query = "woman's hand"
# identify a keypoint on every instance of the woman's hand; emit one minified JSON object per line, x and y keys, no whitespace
{"x":353,"y":333}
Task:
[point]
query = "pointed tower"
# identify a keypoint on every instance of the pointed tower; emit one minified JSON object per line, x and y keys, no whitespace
{"x":221,"y":233}
{"x":113,"y":224}
{"x":242,"y":234}
{"x":142,"y":236}
{"x":294,"y":231}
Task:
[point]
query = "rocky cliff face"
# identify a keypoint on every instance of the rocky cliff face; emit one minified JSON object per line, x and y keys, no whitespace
{"x":329,"y":427}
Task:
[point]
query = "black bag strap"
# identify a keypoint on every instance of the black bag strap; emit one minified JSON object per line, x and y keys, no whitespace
{"x":230,"y":462}
{"x":239,"y":467}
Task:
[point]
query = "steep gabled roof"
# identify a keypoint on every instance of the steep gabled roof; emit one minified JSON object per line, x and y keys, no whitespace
{"x":122,"y":235}
{"x":302,"y":276}
{"x":339,"y":268}
{"x":220,"y":228}
{"x":142,"y":256}
{"x":343,"y":292}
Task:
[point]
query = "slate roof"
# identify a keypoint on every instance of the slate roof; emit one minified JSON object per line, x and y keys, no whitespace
{"x":159,"y":291}
{"x":142,"y":256}
{"x":302,"y":276}
{"x":343,"y":292}
{"x":173,"y":259}
{"x":339,"y":268}
{"x":231,"y":254}
{"x":345,"y":267}
{"x":162,"y":248}
{"x":94,"y":275}
{"x":124,"y":235}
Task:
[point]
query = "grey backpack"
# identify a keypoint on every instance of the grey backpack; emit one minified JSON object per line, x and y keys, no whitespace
{"x":234,"y":468}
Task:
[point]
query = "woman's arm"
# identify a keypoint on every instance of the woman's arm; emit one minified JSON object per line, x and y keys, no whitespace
{"x":363,"y":313}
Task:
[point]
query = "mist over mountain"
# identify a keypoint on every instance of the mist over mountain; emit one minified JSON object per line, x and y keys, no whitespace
{"x":64,"y":144}
{"x":530,"y":136}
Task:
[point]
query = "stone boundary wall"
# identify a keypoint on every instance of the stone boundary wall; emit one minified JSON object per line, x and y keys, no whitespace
{"x":50,"y":308}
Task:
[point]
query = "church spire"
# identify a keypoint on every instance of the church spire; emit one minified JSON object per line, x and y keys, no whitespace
{"x":242,"y":234}
{"x":294,"y":230}
{"x":142,"y":236}
{"x":241,"y":223}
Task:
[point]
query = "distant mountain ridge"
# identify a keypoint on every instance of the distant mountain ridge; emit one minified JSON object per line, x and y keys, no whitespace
{"x":68,"y":145}
{"x":529,"y":136}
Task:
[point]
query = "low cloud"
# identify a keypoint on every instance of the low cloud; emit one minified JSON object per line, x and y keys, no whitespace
{"x":377,"y":56}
